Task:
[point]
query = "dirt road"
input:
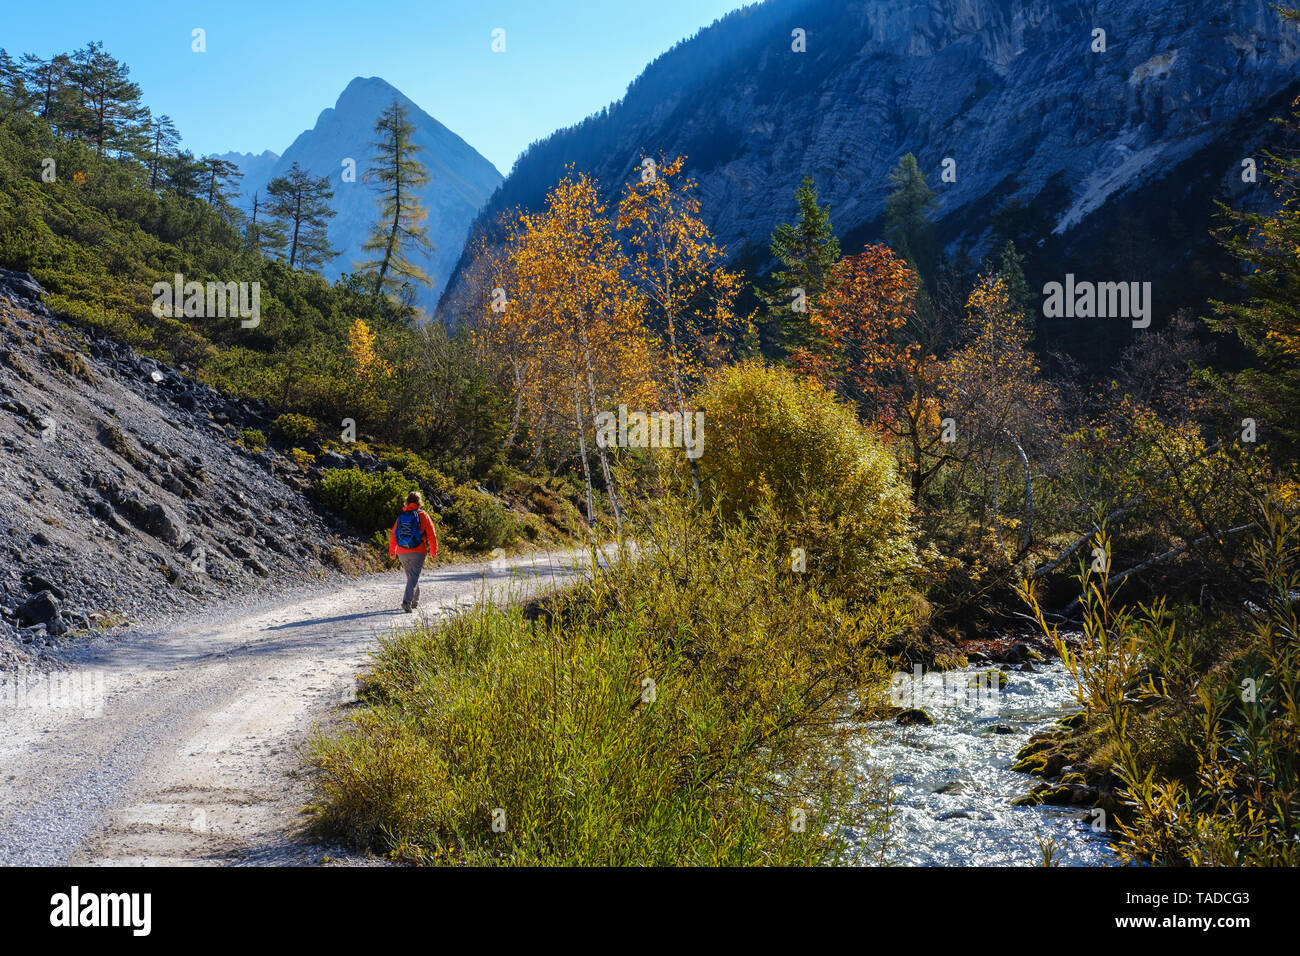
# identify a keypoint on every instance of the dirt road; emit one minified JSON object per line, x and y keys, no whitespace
{"x":185,"y":746}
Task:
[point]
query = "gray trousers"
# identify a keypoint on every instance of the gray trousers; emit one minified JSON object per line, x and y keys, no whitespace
{"x":412,"y":564}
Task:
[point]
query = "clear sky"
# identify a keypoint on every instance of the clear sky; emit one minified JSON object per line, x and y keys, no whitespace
{"x":271,"y":66}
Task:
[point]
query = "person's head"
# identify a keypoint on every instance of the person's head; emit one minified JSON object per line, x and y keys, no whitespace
{"x":414,"y":498}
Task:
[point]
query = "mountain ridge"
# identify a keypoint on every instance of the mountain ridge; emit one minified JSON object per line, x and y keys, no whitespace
{"x":1011,"y":90}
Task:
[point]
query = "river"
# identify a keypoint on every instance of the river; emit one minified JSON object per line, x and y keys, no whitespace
{"x":953,"y":783}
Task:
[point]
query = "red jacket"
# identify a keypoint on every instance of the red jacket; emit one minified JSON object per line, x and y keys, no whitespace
{"x":428,"y":546}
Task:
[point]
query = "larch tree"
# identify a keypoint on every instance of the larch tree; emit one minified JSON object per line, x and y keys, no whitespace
{"x":877,"y":351}
{"x":400,"y":229}
{"x":299,"y":202}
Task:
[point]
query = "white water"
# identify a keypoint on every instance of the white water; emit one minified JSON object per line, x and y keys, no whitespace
{"x":972,"y":822}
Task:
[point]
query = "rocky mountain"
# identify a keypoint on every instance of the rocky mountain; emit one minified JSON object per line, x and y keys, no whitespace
{"x":461,"y":179}
{"x":126,"y":494}
{"x":1098,"y":145}
{"x":256,"y":167}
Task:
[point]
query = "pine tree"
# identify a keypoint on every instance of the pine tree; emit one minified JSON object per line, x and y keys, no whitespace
{"x":223,"y":178}
{"x":183,"y":174}
{"x":163,"y":140}
{"x":1013,"y":277}
{"x":14,"y":95}
{"x":108,"y":113}
{"x":907,"y":216}
{"x":299,"y":203}
{"x":400,"y":229}
{"x":265,"y":235}
{"x":48,"y":82}
{"x":805,"y":251}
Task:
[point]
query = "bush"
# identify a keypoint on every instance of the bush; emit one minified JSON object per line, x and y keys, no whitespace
{"x":252,"y":438}
{"x":477,"y":523}
{"x":370,"y":501}
{"x":776,"y":441}
{"x":1199,"y":717}
{"x":302,"y":459}
{"x":293,"y":430}
{"x":628,"y":732}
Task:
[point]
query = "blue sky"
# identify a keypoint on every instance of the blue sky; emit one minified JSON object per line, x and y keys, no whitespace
{"x":272,"y":66}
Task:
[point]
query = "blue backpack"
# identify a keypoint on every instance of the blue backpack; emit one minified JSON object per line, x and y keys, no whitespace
{"x":409,"y":534}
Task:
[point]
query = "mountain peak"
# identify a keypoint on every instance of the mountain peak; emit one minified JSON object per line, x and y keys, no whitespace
{"x":461,"y":178}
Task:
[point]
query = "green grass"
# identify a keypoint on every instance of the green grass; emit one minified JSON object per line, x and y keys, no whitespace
{"x":686,"y":707}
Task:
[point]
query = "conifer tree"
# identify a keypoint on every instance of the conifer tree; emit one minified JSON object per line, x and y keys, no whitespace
{"x":163,"y":140}
{"x":805,"y":251}
{"x":1267,"y":321}
{"x":108,"y":113}
{"x":400,"y":229}
{"x":1010,"y":268}
{"x":299,"y":203}
{"x":907,"y":216}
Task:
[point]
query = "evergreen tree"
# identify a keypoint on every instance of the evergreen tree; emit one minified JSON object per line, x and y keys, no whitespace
{"x":264,"y":235}
{"x":400,"y":228}
{"x":108,"y":113}
{"x":1013,"y":278}
{"x":184,"y":175}
{"x":907,"y":216}
{"x":163,"y":140}
{"x":804,"y":251}
{"x":14,"y":96}
{"x":223,"y":178}
{"x":1268,"y":321}
{"x":299,"y":203}
{"x":48,"y":81}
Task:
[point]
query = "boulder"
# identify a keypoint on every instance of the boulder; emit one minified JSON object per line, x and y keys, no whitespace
{"x":914,"y":716}
{"x":40,"y":609}
{"x":22,"y":285}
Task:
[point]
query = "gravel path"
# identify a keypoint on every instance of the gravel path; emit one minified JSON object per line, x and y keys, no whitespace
{"x":185,"y":746}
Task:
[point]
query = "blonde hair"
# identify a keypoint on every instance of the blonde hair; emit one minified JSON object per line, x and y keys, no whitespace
{"x":414,"y":498}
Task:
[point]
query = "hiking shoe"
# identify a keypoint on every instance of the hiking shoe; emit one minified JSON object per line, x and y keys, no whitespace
{"x":406,"y":607}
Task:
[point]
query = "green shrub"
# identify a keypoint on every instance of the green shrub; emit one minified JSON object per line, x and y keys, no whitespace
{"x":777,"y":441}
{"x":294,"y":430}
{"x":370,"y":501}
{"x":252,"y":438}
{"x":303,"y":459}
{"x":477,"y":523}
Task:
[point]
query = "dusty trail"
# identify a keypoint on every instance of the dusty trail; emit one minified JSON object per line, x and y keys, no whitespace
{"x":185,"y":747}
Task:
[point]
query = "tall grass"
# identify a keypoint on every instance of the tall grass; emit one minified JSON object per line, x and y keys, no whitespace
{"x":687,"y":706}
{"x":1200,"y":714}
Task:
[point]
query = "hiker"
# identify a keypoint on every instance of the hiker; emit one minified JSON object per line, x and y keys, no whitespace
{"x":411,"y":541}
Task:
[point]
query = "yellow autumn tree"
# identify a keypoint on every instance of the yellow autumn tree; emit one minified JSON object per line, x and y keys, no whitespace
{"x":580,"y":319}
{"x":373,"y":372}
{"x":689,"y":294}
{"x":998,"y":404}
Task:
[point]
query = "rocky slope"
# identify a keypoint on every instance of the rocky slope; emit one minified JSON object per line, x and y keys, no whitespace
{"x":461,"y":179}
{"x":1011,"y":90}
{"x":124,"y":492}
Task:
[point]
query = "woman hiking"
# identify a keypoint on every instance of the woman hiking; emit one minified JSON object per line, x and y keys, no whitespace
{"x":411,"y":541}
